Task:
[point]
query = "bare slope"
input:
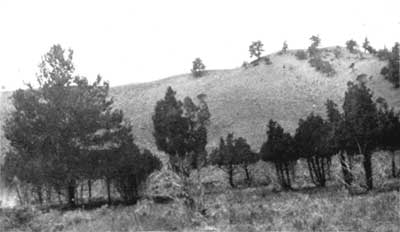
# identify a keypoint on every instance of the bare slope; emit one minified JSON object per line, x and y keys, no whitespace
{"x":243,"y":100}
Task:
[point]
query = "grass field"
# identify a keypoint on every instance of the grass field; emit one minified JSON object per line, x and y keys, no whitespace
{"x":254,"y":209}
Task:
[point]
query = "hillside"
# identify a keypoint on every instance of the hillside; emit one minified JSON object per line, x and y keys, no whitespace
{"x":243,"y":100}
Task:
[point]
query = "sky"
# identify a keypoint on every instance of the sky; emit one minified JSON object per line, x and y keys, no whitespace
{"x":141,"y":41}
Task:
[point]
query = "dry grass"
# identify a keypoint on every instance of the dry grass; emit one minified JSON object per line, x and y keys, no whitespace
{"x":255,"y":209}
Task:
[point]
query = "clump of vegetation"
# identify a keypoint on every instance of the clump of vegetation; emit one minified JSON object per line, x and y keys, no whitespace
{"x":284,"y":48}
{"x":368,"y":48}
{"x":256,"y":49}
{"x":313,"y":48}
{"x":75,"y":135}
{"x":391,"y":72}
{"x":232,"y":153}
{"x":322,"y":66}
{"x":352,"y":45}
{"x":383,"y":54}
{"x":280,"y":149}
{"x":180,"y":130}
{"x":198,"y":68}
{"x":246,"y":65}
{"x":301,"y":55}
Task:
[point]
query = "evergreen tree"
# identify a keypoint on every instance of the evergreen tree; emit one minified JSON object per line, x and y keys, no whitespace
{"x":245,"y":155}
{"x":180,"y":130}
{"x":389,"y":131}
{"x":392,"y":73}
{"x":313,"y":49}
{"x":52,"y":123}
{"x":361,"y":123}
{"x":279,"y":149}
{"x":351,"y":45}
{"x":342,"y":142}
{"x":198,"y":68}
{"x":315,"y":143}
{"x":256,"y":49}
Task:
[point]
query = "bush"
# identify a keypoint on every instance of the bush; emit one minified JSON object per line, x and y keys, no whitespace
{"x":262,"y":60}
{"x":301,"y":55}
{"x":352,"y":45}
{"x":322,"y":66}
{"x":246,"y":65}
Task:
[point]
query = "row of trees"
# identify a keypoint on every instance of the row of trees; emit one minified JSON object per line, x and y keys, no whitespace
{"x":363,"y":126}
{"x":65,"y":132}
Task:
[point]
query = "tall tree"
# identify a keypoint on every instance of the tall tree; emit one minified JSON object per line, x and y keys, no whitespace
{"x":52,"y":122}
{"x":180,"y":130}
{"x":389,"y":131}
{"x":198,"y":68}
{"x":279,"y":149}
{"x":314,"y":140}
{"x":342,"y":142}
{"x":256,"y":49}
{"x":361,"y":122}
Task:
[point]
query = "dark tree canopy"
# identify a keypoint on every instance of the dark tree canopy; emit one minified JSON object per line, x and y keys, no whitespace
{"x":65,"y":130}
{"x":392,"y":71}
{"x":256,"y":49}
{"x":352,"y":45}
{"x":180,"y":130}
{"x":361,"y":122}
{"x":279,"y":149}
{"x":198,"y":68}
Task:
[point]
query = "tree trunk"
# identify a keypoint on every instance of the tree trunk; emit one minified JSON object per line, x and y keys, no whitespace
{"x":89,"y":183}
{"x":248,"y":178}
{"x":71,"y":193}
{"x":230,"y":172}
{"x":368,"y":170}
{"x":288,"y":183}
{"x":311,"y":171}
{"x":108,"y":185}
{"x":347,"y":176}
{"x":39,"y":194}
{"x":394,"y":168}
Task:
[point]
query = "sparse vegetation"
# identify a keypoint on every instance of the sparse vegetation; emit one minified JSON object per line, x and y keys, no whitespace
{"x":392,"y":71}
{"x":322,"y":66}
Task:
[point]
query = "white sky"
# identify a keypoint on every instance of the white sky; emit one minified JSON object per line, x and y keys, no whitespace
{"x":132,"y":41}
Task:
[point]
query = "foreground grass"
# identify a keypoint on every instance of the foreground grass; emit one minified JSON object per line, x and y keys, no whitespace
{"x":253,"y":209}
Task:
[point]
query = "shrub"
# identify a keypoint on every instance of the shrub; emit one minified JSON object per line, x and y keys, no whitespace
{"x":246,"y":65}
{"x":301,"y":55}
{"x":322,"y":66}
{"x":351,"y":45}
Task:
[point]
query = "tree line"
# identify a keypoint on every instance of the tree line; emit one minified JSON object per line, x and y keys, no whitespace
{"x":362,"y":127}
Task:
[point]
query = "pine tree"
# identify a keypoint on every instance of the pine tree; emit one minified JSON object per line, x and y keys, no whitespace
{"x":52,"y":124}
{"x":180,"y":130}
{"x":361,"y":123}
{"x":279,"y":149}
{"x":198,"y":68}
{"x":389,"y":131}
{"x":256,"y":49}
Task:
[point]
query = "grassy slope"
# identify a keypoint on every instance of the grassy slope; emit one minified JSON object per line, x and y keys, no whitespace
{"x":243,"y":100}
